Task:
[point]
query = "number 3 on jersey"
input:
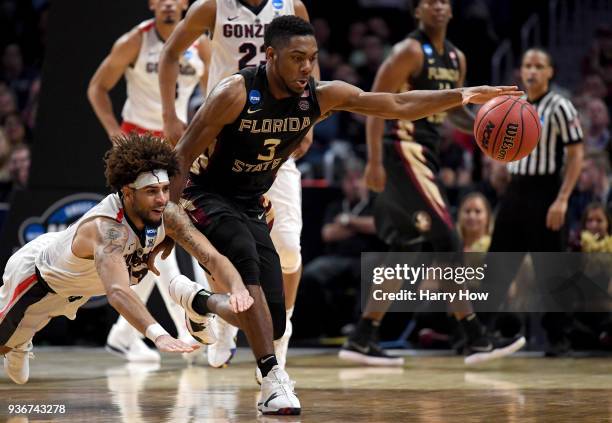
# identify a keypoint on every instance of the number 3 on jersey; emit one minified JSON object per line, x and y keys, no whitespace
{"x":271,"y":143}
{"x":251,"y":51}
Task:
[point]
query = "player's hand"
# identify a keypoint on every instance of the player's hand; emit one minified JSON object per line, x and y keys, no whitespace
{"x":556,"y":215}
{"x":484,"y":93}
{"x":166,"y":343}
{"x":375,"y":176}
{"x":173,"y":130}
{"x":165,"y":247}
{"x":240,"y":300}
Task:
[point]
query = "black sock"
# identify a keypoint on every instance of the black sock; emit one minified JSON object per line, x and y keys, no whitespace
{"x":472,"y":327}
{"x":366,"y":331}
{"x":266,"y":363}
{"x":199,"y":302}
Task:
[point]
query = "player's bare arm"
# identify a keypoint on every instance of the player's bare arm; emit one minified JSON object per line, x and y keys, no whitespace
{"x":200,"y":17}
{"x":222,"y":107}
{"x":405,"y":60}
{"x":412,"y":105}
{"x":555,"y":218}
{"x":179,"y":227}
{"x":461,"y":117}
{"x":123,"y":54}
{"x":105,"y":240}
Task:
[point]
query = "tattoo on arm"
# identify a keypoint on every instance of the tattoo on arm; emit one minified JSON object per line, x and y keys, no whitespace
{"x":114,"y":237}
{"x":179,"y":227}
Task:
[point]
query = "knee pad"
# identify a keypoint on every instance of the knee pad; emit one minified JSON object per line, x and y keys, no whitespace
{"x":289,"y":251}
{"x":279,"y":319}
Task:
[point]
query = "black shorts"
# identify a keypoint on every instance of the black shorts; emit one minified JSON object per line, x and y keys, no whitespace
{"x":239,"y":231}
{"x":412,"y":213}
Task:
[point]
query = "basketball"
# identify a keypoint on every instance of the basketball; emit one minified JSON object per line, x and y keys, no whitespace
{"x":507,"y":128}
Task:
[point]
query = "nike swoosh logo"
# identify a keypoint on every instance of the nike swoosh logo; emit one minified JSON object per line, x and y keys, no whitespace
{"x":263,"y":361}
{"x":483,"y":349}
{"x":232,"y":18}
{"x":260,"y":217}
{"x":270,"y":398}
{"x":363,"y":350}
{"x":249,"y":111}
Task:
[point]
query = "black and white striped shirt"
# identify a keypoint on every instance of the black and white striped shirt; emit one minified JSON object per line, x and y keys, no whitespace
{"x":560,"y":127}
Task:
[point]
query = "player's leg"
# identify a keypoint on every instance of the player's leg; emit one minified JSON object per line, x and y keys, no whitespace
{"x":277,"y":396}
{"x":26,"y":304}
{"x":124,"y":340}
{"x":286,"y":198}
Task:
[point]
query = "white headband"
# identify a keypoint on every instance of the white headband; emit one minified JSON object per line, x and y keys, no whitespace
{"x":158,"y":176}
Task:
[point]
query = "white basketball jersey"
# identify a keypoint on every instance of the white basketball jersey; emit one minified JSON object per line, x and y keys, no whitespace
{"x":143,"y":106}
{"x":239,"y":36}
{"x":69,"y":275}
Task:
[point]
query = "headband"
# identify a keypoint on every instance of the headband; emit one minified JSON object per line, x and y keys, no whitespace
{"x":158,"y":176}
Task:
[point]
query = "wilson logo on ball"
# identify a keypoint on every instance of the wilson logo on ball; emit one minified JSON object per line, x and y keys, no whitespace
{"x":508,"y":141}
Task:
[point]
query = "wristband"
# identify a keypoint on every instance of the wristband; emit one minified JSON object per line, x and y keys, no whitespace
{"x":154,"y":331}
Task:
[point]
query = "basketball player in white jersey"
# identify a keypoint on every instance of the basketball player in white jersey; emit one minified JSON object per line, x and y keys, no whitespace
{"x":136,"y":55}
{"x":237,"y":28}
{"x":105,"y":252}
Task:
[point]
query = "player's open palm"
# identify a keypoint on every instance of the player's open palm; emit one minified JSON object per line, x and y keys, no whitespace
{"x":240,"y":300}
{"x":484,"y":93}
{"x":166,"y":343}
{"x":173,"y":130}
{"x":375,"y":176}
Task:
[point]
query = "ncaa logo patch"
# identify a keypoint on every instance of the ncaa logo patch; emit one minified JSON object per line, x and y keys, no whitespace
{"x":277,"y":4}
{"x":304,"y":105}
{"x":254,"y":97}
{"x":58,"y":216}
{"x":427,"y":49}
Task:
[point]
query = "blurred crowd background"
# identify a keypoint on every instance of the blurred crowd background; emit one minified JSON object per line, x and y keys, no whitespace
{"x":352,"y":46}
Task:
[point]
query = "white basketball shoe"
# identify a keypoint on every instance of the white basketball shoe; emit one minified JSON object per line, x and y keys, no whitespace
{"x":277,"y":395}
{"x":17,"y":363}
{"x":133,"y":351}
{"x":183,"y":291}
{"x":221,"y":353}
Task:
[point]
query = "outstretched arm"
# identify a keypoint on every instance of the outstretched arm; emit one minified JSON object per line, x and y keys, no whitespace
{"x":199,"y":18}
{"x":179,"y":227}
{"x":108,"y":239}
{"x":412,"y":105}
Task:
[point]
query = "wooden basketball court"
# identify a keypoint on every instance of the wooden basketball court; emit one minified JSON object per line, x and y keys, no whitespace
{"x":97,"y":387}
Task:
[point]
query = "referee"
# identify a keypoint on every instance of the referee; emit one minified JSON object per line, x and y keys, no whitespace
{"x":531,"y":214}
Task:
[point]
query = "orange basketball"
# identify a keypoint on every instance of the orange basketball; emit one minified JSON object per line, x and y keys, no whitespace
{"x":507,"y":128}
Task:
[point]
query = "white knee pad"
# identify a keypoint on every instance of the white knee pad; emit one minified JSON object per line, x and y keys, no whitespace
{"x":289,"y":251}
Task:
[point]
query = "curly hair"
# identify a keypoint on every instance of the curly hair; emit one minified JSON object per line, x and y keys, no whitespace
{"x":134,"y":154}
{"x":282,"y":28}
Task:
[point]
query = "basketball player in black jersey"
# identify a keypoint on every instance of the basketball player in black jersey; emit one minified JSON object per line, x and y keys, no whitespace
{"x":411,"y":213}
{"x":250,"y":124}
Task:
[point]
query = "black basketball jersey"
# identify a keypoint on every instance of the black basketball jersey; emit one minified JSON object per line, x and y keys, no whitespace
{"x":249,"y":151}
{"x":440,"y":71}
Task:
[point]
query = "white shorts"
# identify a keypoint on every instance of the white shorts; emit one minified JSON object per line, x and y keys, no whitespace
{"x":26,"y":303}
{"x":286,"y":197}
